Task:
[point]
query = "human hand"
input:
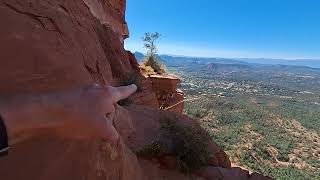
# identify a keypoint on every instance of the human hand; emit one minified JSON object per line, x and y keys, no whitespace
{"x":89,"y":111}
{"x":83,"y":113}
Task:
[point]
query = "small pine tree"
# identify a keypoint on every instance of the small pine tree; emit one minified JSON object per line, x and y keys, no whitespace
{"x":151,"y":60}
{"x":149,"y":42}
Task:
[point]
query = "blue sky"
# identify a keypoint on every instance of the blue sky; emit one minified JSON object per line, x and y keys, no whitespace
{"x":228,"y":28}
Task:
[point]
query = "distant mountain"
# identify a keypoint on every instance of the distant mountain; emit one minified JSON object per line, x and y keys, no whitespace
{"x":139,"y":56}
{"x":171,"y":60}
{"x":168,"y":59}
{"x":300,"y":62}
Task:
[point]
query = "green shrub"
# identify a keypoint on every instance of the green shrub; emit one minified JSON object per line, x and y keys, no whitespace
{"x":155,"y":149}
{"x":282,"y":173}
{"x":187,"y":144}
{"x":284,"y":145}
{"x":260,"y":148}
{"x":228,"y":118}
{"x":197,"y":112}
{"x":228,"y":136}
{"x":290,"y":172}
{"x":314,"y":162}
{"x":154,"y":63}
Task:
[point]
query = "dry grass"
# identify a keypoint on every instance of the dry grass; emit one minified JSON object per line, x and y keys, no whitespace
{"x":147,"y":69}
{"x":152,"y":62}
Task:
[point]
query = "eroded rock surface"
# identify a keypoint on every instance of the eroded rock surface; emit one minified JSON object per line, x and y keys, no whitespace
{"x":166,"y":89}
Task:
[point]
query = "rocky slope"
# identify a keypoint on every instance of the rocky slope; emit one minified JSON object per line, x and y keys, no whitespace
{"x":53,"y":45}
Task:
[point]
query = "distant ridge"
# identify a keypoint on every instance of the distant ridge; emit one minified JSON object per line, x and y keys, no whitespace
{"x":299,"y":62}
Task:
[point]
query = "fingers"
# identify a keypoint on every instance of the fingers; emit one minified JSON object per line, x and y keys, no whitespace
{"x":123,"y":92}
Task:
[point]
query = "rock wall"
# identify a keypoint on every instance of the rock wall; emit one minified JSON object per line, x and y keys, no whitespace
{"x":168,"y":95}
{"x":51,"y":45}
{"x":111,"y":13}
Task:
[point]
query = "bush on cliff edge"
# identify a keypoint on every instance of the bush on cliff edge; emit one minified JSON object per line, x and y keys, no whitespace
{"x":187,"y":144}
{"x":151,"y":59}
{"x":154,"y":63}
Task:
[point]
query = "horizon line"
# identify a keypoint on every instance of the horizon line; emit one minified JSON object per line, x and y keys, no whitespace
{"x":236,"y":58}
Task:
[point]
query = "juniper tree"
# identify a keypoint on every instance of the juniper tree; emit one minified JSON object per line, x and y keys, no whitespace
{"x":149,"y":42}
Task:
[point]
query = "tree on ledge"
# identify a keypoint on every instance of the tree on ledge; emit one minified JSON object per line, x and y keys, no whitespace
{"x":151,"y":59}
{"x":149,"y":42}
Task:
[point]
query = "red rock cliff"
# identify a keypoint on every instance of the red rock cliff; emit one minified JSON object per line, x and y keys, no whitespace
{"x":50,"y":45}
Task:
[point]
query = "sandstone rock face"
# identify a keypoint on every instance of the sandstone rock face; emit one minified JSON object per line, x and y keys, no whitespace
{"x":147,"y":97}
{"x":167,"y":92}
{"x":112,"y":13}
{"x":160,"y":91}
{"x":144,"y":129}
{"x":176,"y":102}
{"x":133,"y":61}
{"x":54,"y":45}
{"x":52,"y":159}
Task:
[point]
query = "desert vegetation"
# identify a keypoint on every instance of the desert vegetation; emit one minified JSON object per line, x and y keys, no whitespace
{"x":265,"y":117}
{"x":151,"y":63}
{"x":188,"y":145}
